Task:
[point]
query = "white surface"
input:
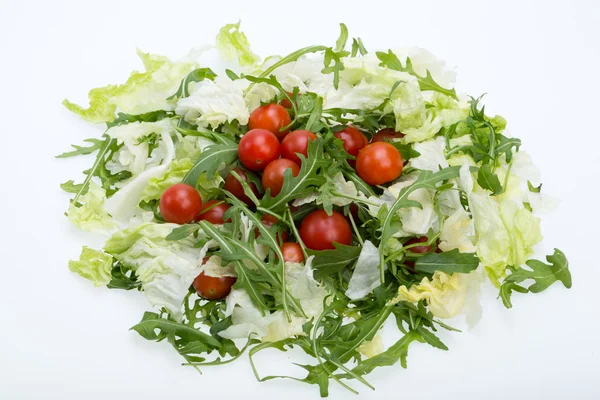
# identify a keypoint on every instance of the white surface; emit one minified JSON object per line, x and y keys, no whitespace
{"x":61,"y":338}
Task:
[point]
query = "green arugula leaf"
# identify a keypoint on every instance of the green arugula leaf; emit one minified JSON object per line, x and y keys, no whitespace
{"x":426,"y":179}
{"x":395,"y":353}
{"x":448,"y":262}
{"x":340,"y":44}
{"x":488,"y":179}
{"x":358,"y":47}
{"x":534,"y":189}
{"x":543,"y":275}
{"x":210,"y":160}
{"x":153,"y":116}
{"x":183,"y":231}
{"x":406,"y":150}
{"x":71,"y":187}
{"x":330,"y":262}
{"x":123,"y":277}
{"x":391,"y":61}
{"x":333,"y":64}
{"x":96,"y":144}
{"x":196,"y":75}
{"x":308,"y":179}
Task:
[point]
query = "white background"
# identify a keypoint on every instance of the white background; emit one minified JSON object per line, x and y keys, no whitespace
{"x":61,"y":338}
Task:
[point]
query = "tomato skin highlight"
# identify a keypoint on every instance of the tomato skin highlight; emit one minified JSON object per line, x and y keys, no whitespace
{"x":419,"y":249}
{"x":379,"y":163}
{"x":296,"y":142}
{"x":271,"y":117}
{"x":257,"y":148}
{"x":214,"y":215}
{"x":386,"y":135}
{"x":319,"y":231}
{"x":353,"y":140}
{"x":234,"y":186}
{"x":180,"y":204}
{"x":292,"y":252}
{"x":273,"y":175}
{"x":212,"y":288}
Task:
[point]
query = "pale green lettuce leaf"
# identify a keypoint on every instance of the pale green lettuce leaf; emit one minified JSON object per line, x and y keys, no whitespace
{"x":525,"y":231}
{"x":175,"y":174}
{"x":432,"y":156}
{"x":447,"y":110}
{"x":366,"y":275}
{"x":166,"y":268}
{"x":124,"y":204}
{"x":232,"y":44}
{"x":458,"y":232}
{"x":143,"y":92}
{"x":212,"y":103}
{"x":91,"y":215}
{"x":93,"y":265}
{"x":428,"y":129}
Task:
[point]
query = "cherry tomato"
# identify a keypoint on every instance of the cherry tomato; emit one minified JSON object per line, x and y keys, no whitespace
{"x":286,"y":102}
{"x":213,"y":212}
{"x":235,"y":187}
{"x":296,"y":142}
{"x":418,"y":249}
{"x":273,"y":175}
{"x":386,"y":135}
{"x":271,"y":117}
{"x":354,"y":211}
{"x":319,"y":231}
{"x":353,"y":140}
{"x":268,"y":220}
{"x":292,"y":252}
{"x":180,"y":204}
{"x":258,"y":148}
{"x":379,"y":163}
{"x":213,"y":288}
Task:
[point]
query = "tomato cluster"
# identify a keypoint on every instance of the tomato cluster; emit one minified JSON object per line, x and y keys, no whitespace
{"x":271,"y":149}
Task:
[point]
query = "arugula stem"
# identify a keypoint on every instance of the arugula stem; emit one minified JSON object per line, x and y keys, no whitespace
{"x":296,"y":233}
{"x":360,"y":239}
{"x":99,"y":158}
{"x":218,"y":361}
{"x":271,"y":213}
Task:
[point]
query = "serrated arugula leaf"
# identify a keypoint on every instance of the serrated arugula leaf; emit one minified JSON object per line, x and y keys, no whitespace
{"x":329,"y":262}
{"x":488,"y":179}
{"x":340,"y":44}
{"x":358,"y":47}
{"x":391,"y":61}
{"x":210,"y":160}
{"x":543,"y":275}
{"x":406,"y":150}
{"x":96,"y":144}
{"x":395,"y":353}
{"x":448,"y":262}
{"x":183,"y":231}
{"x":308,"y":179}
{"x":153,"y":116}
{"x":71,"y":187}
{"x":196,"y":75}
{"x":426,"y":179}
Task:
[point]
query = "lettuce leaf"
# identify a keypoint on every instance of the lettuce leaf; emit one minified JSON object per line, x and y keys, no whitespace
{"x":233,"y":44}
{"x":90,"y":215}
{"x":93,"y":265}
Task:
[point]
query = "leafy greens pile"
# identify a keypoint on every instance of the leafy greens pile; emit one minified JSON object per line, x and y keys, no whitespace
{"x":467,"y":199}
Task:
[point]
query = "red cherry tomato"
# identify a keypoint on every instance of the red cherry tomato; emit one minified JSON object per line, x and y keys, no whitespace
{"x":271,"y":117}
{"x":292,"y":252}
{"x":286,"y":102}
{"x":180,"y":204}
{"x":296,"y":142}
{"x":213,"y":212}
{"x":319,"y":231}
{"x":212,"y":288}
{"x":268,"y":220}
{"x":379,"y":163}
{"x":386,"y":135}
{"x":353,"y":140}
{"x":235,"y":187}
{"x":354,"y":211}
{"x":273,"y":175}
{"x":418,"y":249}
{"x":258,"y":148}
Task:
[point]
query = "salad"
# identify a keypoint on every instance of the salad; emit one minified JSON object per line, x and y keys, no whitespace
{"x":303,"y":202}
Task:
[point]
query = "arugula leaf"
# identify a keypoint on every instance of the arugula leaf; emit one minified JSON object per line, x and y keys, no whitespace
{"x":183,"y":231}
{"x":541,"y":273}
{"x":391,"y":61}
{"x":426,"y":179}
{"x":396,"y":352}
{"x":448,"y":262}
{"x":123,"y":277}
{"x":406,"y":150}
{"x":488,"y":179}
{"x":153,"y":116}
{"x":196,"y":75}
{"x":358,"y":47}
{"x":329,"y":262}
{"x":534,"y":189}
{"x":340,"y":44}
{"x":304,"y":183}
{"x":333,"y":64}
{"x":71,"y":187}
{"x":96,"y":144}
{"x":210,"y":160}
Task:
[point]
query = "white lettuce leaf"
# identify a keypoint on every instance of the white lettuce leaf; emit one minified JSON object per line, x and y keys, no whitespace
{"x":93,"y":265}
{"x":366,"y":275}
{"x":91,"y":215}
